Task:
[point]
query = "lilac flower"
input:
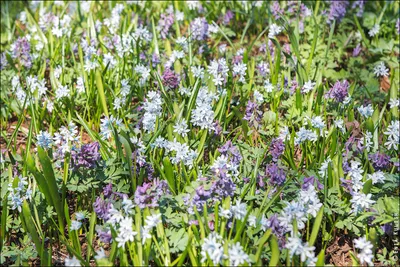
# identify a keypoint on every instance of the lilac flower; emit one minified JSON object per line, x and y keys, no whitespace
{"x":223,"y":187}
{"x":253,"y":114}
{"x":164,"y":24}
{"x":380,"y":161}
{"x":311,"y":181}
{"x":87,"y":156}
{"x":21,"y":49}
{"x":339,"y":91}
{"x":398,"y":26}
{"x":149,"y":194}
{"x":276,"y":175}
{"x":357,"y":50}
{"x":102,"y":208}
{"x":227,"y":17}
{"x":170,"y":79}
{"x":276,"y":148}
{"x":104,"y":234}
{"x":200,"y":198}
{"x":387,"y":228}
{"x":3,"y":61}
{"x":337,"y":10}
{"x":217,"y":128}
{"x":229,"y":149}
{"x":155,"y":59}
{"x":360,"y":5}
{"x":199,"y":29}
{"x":107,"y":191}
{"x":276,"y":10}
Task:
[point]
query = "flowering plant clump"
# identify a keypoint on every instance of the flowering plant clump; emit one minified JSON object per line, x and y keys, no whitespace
{"x":188,"y":133}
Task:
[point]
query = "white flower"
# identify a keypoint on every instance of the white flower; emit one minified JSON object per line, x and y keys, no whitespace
{"x":239,"y":210}
{"x":303,"y":135}
{"x":198,"y":71}
{"x":366,"y":111}
{"x":377,"y":177}
{"x":212,"y":247}
{"x":75,"y":225}
{"x":236,"y":255}
{"x":181,"y":128}
{"x":274,"y":30}
{"x":374,"y":30}
{"x":308,"y":86}
{"x":365,"y":255}
{"x":296,"y":247}
{"x":361,"y":201}
{"x":62,"y":91}
{"x":80,"y":216}
{"x":252,"y":220}
{"x":225,"y":213}
{"x":153,"y":108}
{"x":125,"y":232}
{"x":100,"y":254}
{"x":203,"y":115}
{"x":393,"y":134}
{"x":44,"y":140}
{"x":153,"y":220}
{"x":127,"y":205}
{"x":339,"y":123}
{"x":72,"y":261}
{"x":367,"y":141}
{"x":258,"y":97}
{"x":381,"y":70}
{"x":268,"y":86}
{"x":394,"y":103}
{"x":318,"y":122}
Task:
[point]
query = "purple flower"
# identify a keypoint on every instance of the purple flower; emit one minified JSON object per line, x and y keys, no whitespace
{"x":276,"y":148}
{"x":155,"y":59}
{"x":21,"y":49}
{"x":164,"y":24}
{"x":347,"y":184}
{"x":223,"y":187}
{"x":3,"y":61}
{"x":276,"y":175}
{"x":102,"y":208}
{"x":199,"y":29}
{"x":200,"y":197}
{"x":311,"y":181}
{"x":217,"y":128}
{"x":253,"y":114}
{"x":380,"y":161}
{"x":228,"y":16}
{"x":398,"y":26}
{"x":360,"y":5}
{"x":337,"y":10}
{"x":149,"y":194}
{"x":276,"y":10}
{"x":104,"y":235}
{"x":228,"y":149}
{"x":387,"y":228}
{"x":87,"y":156}
{"x":107,"y":191}
{"x":357,"y":50}
{"x":170,"y":79}
{"x":339,"y":91}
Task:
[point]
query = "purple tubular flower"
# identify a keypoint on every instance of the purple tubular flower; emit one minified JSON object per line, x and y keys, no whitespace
{"x":347,"y":184}
{"x":21,"y":49}
{"x":102,"y":207}
{"x":149,"y":194}
{"x":357,"y":50}
{"x":253,"y":114}
{"x":387,"y":228}
{"x":311,"y":181}
{"x":276,"y":148}
{"x":170,"y":79}
{"x":155,"y":59}
{"x":200,"y":198}
{"x":164,"y":24}
{"x":223,"y":187}
{"x":217,"y":128}
{"x":199,"y":29}
{"x":276,"y":175}
{"x":339,"y":91}
{"x":276,"y":10}
{"x":228,"y":16}
{"x":380,"y":161}
{"x":228,"y":149}
{"x":337,"y":10}
{"x":87,"y":156}
{"x":3,"y":61}
{"x":107,"y":191}
{"x":360,"y":5}
{"x":398,"y":26}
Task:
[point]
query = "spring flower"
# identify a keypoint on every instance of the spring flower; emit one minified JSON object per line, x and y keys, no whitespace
{"x":361,"y":201}
{"x":198,"y":71}
{"x":62,"y":91}
{"x":305,"y":135}
{"x":365,"y":255}
{"x":374,"y":30}
{"x":72,"y":262}
{"x":253,"y":114}
{"x":20,"y":50}
{"x":393,"y":103}
{"x":318,"y":122}
{"x":381,"y":70}
{"x":125,"y":232}
{"x":380,"y":161}
{"x":127,"y":205}
{"x":236,"y":255}
{"x":80,"y":216}
{"x":100,"y":254}
{"x":170,"y":79}
{"x":274,"y":30}
{"x":393,"y":134}
{"x":212,"y":248}
{"x":75,"y":225}
{"x":239,"y":210}
{"x":337,"y":10}
{"x":203,"y":115}
{"x":276,"y":148}
{"x":268,"y":86}
{"x":252,"y":220}
{"x":199,"y":29}
{"x":87,"y":156}
{"x":296,"y":247}
{"x":153,"y":220}
{"x":181,"y":128}
{"x":377,"y":177}
{"x":357,"y":50}
{"x":339,"y":91}
{"x":308,"y":87}
{"x":366,"y":111}
{"x":44,"y":140}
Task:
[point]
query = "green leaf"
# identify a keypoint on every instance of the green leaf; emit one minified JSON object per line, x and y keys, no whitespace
{"x":273,"y":243}
{"x":316,"y":226}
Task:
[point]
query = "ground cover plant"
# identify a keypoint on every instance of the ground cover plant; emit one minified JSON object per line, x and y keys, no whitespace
{"x":199,"y":133}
